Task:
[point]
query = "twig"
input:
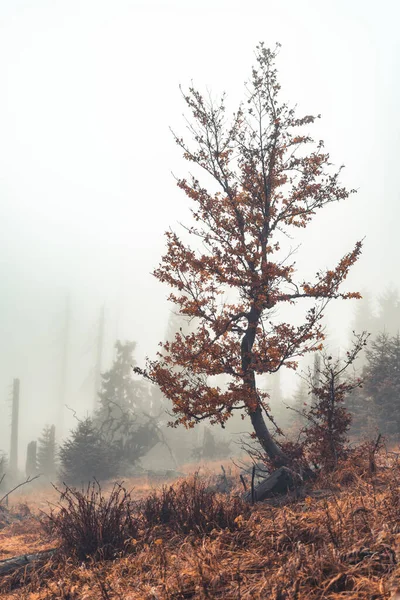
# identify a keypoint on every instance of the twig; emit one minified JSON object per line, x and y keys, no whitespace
{"x":28,"y":480}
{"x":253,"y":474}
{"x":372,"y":463}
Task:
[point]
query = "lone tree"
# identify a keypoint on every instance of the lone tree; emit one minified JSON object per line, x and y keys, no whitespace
{"x":265,"y":179}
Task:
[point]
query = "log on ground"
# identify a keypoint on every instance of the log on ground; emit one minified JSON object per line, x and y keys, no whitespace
{"x":279,"y":482}
{"x":9,"y":565}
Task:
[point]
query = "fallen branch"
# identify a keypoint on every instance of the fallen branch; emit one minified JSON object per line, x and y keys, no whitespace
{"x":9,"y":565}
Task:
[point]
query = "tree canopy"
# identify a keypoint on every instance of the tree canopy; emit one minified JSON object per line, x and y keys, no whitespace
{"x":265,"y":178}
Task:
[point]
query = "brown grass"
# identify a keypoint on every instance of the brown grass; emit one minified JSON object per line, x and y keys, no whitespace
{"x":342,"y":541}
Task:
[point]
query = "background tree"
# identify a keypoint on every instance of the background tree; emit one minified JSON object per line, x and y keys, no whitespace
{"x":123,"y":417}
{"x":389,"y":311}
{"x":118,"y":387}
{"x":364,"y":317}
{"x":183,"y":442}
{"x":31,"y":468}
{"x":47,"y":452}
{"x":296,"y":420}
{"x":85,"y":456}
{"x":212,"y":447}
{"x":3,"y":468}
{"x":328,"y":420}
{"x":361,"y":408}
{"x":382,"y":382}
{"x":266,"y":179}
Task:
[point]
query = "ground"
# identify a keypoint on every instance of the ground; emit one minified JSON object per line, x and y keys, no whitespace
{"x":339,"y":539}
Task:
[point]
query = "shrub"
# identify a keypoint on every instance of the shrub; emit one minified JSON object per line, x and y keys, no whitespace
{"x":89,"y":524}
{"x":190,"y":507}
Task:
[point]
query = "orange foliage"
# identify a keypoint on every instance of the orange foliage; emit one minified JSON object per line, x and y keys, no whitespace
{"x":269,"y":183}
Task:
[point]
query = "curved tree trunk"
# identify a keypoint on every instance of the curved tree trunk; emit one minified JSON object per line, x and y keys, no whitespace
{"x":266,"y":440}
{"x":257,"y":419}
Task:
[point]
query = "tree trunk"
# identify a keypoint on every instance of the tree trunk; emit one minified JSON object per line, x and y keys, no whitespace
{"x":14,"y":428}
{"x":267,"y":442}
{"x":249,"y":379}
{"x":278,"y":483}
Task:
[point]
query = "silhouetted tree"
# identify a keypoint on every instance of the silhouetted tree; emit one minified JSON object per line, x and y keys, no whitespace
{"x":364,"y":318}
{"x":382,"y":381}
{"x":118,"y":386}
{"x":123,"y":417}
{"x":3,"y":467}
{"x":31,"y":468}
{"x":389,"y":311}
{"x":361,"y":408}
{"x":212,"y":447}
{"x":85,"y":456}
{"x":47,"y":452}
{"x":300,"y":399}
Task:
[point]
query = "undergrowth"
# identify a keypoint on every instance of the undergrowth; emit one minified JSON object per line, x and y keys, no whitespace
{"x":340,"y":541}
{"x":89,"y":523}
{"x":191,"y":507}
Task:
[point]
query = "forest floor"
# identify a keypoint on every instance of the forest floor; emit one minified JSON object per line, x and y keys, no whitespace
{"x":340,"y":539}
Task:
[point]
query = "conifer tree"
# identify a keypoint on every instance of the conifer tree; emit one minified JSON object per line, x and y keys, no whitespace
{"x":300,"y":399}
{"x":361,"y":408}
{"x":47,"y":452}
{"x":382,"y":381}
{"x":31,"y":459}
{"x":328,"y":420}
{"x":85,"y":456}
{"x":123,"y":417}
{"x":389,"y":311}
{"x":119,"y":390}
{"x":364,"y":319}
{"x":212,"y":447}
{"x":316,"y":374}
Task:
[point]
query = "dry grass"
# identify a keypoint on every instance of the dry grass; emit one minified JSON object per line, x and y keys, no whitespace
{"x":90,"y":523}
{"x":190,"y":507}
{"x":342,"y":541}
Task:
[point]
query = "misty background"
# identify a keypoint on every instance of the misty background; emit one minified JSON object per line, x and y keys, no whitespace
{"x":88,"y":91}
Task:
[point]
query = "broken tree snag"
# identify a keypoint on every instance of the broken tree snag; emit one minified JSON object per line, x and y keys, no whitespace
{"x":9,"y":565}
{"x":279,"y":482}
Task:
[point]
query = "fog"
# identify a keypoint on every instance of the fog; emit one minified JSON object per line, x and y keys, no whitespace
{"x":88,"y":91}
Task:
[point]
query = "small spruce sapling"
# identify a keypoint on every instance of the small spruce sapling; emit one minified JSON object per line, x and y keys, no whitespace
{"x":328,"y":420}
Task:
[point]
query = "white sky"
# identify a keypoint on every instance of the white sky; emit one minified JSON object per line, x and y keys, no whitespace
{"x":88,"y":90}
